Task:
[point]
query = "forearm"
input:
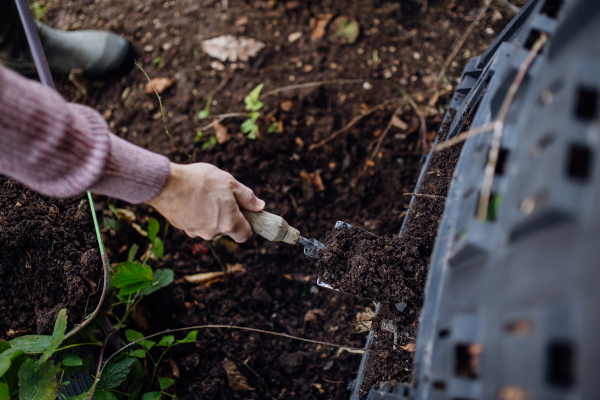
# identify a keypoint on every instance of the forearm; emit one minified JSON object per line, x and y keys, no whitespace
{"x":62,"y":149}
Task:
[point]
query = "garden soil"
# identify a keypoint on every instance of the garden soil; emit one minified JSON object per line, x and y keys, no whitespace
{"x":49,"y":260}
{"x":311,"y":187}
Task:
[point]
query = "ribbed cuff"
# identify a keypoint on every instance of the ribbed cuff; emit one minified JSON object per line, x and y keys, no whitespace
{"x":132,"y":173}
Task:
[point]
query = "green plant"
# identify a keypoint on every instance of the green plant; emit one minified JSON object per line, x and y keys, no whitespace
{"x":253,"y":105}
{"x":38,"y":9}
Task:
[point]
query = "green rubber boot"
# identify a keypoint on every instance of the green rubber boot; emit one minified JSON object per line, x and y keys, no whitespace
{"x":97,"y":53}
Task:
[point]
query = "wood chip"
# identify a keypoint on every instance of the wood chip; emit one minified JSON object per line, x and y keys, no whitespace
{"x":318,"y":25}
{"x":398,"y":123}
{"x":161,"y":84}
{"x":286,"y":106}
{"x":315,"y":178}
{"x":221,"y":133}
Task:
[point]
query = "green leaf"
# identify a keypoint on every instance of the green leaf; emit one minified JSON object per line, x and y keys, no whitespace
{"x":249,"y":127}
{"x":115,"y":373}
{"x":71,"y":370}
{"x":111,"y":223}
{"x":104,"y":395}
{"x":141,"y":353}
{"x":113,"y":209}
{"x":131,"y":277}
{"x":37,"y":381}
{"x":190,"y":338}
{"x":158,"y":248}
{"x":4,"y":345}
{"x":31,"y":344}
{"x":72,"y":360}
{"x":4,"y":391}
{"x":162,"y":278}
{"x":151,"y":396}
{"x":132,"y":335}
{"x":148,"y":344}
{"x":132,"y":252}
{"x":83,"y":396}
{"x":58,"y":335}
{"x":153,"y":227}
{"x":273,"y":128}
{"x":206,"y":112}
{"x":137,"y":379}
{"x":198,"y":135}
{"x":166,"y":340}
{"x":204,"y":146}
{"x":165,"y":383}
{"x":252,"y":102}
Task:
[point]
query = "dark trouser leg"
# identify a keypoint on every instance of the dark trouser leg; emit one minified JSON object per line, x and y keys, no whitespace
{"x":14,"y":50}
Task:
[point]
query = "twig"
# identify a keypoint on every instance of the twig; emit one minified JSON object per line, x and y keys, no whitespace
{"x":100,"y":367}
{"x":424,"y":195}
{"x":220,"y":86}
{"x":510,"y":6}
{"x":461,"y":42}
{"x":164,"y":117}
{"x":217,"y":258}
{"x":418,"y":112}
{"x":220,"y":118}
{"x":465,"y":135}
{"x":311,"y":84}
{"x":352,"y":122}
{"x":490,"y":167}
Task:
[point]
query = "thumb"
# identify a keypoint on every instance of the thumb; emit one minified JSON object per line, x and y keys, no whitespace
{"x":246,"y":199}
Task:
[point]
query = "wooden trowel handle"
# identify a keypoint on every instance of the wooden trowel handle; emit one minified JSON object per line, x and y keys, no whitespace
{"x":272,"y":227}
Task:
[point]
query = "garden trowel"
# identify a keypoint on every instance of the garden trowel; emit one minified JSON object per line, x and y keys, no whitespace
{"x":274,"y":228}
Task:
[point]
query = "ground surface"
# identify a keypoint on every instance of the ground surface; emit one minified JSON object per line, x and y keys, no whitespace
{"x":278,"y":291}
{"x":49,"y":260}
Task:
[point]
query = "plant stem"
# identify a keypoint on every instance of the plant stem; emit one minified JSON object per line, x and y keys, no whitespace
{"x":77,"y":345}
{"x":156,"y":364}
{"x":312,"y":84}
{"x":465,"y":135}
{"x":418,"y":112}
{"x":220,"y":118}
{"x":164,"y":117}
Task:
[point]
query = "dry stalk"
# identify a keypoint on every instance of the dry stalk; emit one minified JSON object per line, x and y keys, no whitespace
{"x":351,"y":123}
{"x":311,"y":85}
{"x":419,"y":114}
{"x":465,"y":135}
{"x":490,"y":167}
{"x":424,"y":195}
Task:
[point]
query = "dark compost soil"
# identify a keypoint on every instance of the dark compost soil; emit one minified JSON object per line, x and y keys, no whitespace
{"x":49,"y":260}
{"x":278,"y":291}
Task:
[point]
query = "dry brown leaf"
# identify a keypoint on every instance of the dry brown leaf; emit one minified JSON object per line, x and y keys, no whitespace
{"x":127,"y":215}
{"x":409,"y":347}
{"x":139,"y":229}
{"x":299,"y":142}
{"x":203,"y":277}
{"x":318,"y":25}
{"x":92,"y":285}
{"x":221,"y":133}
{"x":237,"y":381}
{"x":175,"y":369}
{"x":313,"y":315}
{"x":161,"y":84}
{"x":342,"y":349}
{"x":286,"y":105}
{"x":15,"y":334}
{"x":228,"y":47}
{"x":138,"y":318}
{"x":319,"y":387}
{"x":363,"y":320}
{"x":316,"y":180}
{"x":398,"y":123}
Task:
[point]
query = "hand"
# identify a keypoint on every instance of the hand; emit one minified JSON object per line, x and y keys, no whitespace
{"x":205,"y":201}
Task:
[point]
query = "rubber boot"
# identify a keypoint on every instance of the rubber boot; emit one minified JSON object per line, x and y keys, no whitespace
{"x":97,"y":53}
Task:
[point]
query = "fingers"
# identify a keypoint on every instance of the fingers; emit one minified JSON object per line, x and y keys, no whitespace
{"x":246,"y":199}
{"x":240,"y":230}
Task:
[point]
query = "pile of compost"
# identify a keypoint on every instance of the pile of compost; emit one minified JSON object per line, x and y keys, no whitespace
{"x":49,"y":260}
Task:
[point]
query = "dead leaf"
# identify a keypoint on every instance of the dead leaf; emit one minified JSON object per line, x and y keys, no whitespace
{"x":398,"y":123}
{"x":313,"y":315}
{"x":139,"y":229}
{"x":176,"y":374}
{"x":286,"y":105}
{"x":161,"y":84}
{"x":126,"y":214}
{"x":138,"y":318}
{"x":237,"y":381}
{"x":228,"y":47}
{"x":319,"y":387}
{"x":299,"y":142}
{"x":221,"y":133}
{"x":92,"y":285}
{"x":342,"y":349}
{"x":211,"y":277}
{"x":318,"y":24}
{"x":316,"y":180}
{"x":363,"y":320}
{"x":15,"y":334}
{"x":235,"y":269}
{"x":344,"y":29}
{"x":409,"y":347}
{"x":242,"y":21}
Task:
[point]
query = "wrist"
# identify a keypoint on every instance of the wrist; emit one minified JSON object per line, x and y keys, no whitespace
{"x":168,"y":191}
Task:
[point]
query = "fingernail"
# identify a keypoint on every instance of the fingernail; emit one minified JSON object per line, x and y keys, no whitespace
{"x":261,"y":203}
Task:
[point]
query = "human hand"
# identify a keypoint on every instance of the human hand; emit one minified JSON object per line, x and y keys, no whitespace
{"x":204,"y":201}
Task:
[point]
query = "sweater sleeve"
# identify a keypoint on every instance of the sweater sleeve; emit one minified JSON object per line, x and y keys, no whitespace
{"x":62,"y":149}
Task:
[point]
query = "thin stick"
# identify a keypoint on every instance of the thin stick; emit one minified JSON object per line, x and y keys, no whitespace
{"x":419,"y":114}
{"x":352,"y":122}
{"x":465,"y":135}
{"x":424,"y":195}
{"x":387,"y":129}
{"x":164,"y":117}
{"x":490,"y":167}
{"x":220,"y":118}
{"x":461,"y":42}
{"x":312,"y":84}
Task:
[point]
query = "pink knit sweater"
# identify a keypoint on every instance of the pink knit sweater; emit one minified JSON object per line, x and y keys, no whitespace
{"x":62,"y":149}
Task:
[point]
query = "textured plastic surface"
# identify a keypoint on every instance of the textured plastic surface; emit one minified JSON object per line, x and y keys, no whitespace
{"x":512,"y":304}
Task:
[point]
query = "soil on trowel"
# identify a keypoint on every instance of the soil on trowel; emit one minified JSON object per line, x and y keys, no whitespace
{"x":49,"y":260}
{"x":357,"y":262}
